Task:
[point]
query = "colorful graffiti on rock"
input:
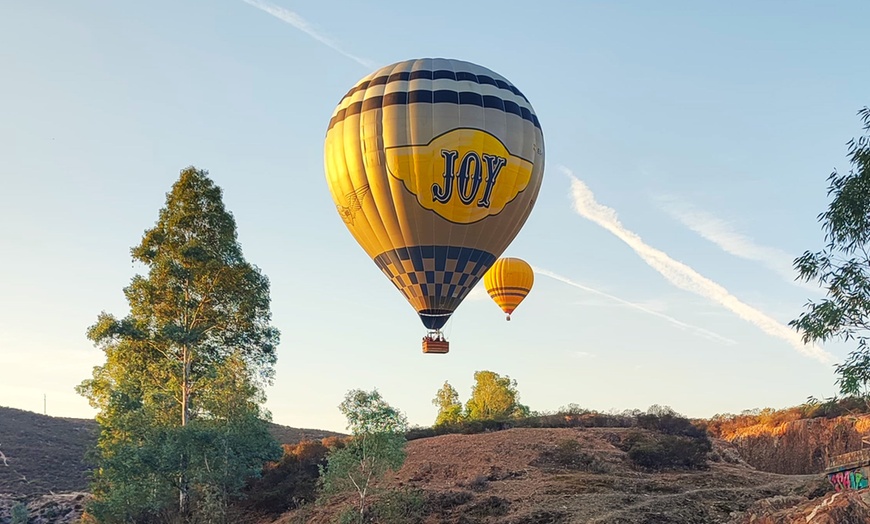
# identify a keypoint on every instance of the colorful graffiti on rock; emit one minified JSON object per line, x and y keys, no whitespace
{"x":848,"y":479}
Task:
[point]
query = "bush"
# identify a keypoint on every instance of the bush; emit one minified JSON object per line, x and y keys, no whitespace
{"x":489,"y":507}
{"x":569,"y":454}
{"x":670,"y":424}
{"x":445,"y":501}
{"x":398,"y":507}
{"x":20,"y":515}
{"x":479,"y":483}
{"x":290,"y":482}
{"x":659,"y":452}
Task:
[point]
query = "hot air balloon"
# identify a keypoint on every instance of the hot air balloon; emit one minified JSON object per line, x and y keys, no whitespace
{"x":434,"y":166}
{"x":508,"y":282}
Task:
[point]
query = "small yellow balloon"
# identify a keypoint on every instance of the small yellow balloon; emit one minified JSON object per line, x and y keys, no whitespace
{"x":508,"y":282}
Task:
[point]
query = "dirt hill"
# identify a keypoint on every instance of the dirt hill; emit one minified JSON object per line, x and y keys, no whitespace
{"x":44,"y":455}
{"x":530,"y":476}
{"x":513,"y":476}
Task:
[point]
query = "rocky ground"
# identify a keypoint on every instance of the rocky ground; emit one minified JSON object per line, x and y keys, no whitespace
{"x":62,"y":508}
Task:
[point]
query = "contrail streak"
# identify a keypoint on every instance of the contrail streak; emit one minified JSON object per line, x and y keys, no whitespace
{"x":701,"y":331}
{"x":722,"y":234}
{"x":301,"y":24}
{"x":680,"y":274}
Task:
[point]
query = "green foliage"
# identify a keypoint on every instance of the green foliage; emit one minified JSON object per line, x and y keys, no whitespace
{"x":406,"y":506}
{"x":348,"y":516}
{"x":140,"y":481}
{"x":20,"y":515}
{"x":179,"y":396}
{"x":843,"y":268}
{"x":368,"y":413}
{"x":376,"y":447}
{"x":494,"y":397}
{"x":449,"y":406}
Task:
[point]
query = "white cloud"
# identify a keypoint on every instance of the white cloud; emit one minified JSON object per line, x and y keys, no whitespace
{"x":681,"y":275}
{"x":301,"y":24}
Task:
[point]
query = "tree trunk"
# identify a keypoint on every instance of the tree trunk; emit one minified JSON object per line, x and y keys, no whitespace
{"x":185,"y":416}
{"x":185,"y":386}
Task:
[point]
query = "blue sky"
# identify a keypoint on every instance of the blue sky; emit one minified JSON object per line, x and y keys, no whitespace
{"x":688,"y":145}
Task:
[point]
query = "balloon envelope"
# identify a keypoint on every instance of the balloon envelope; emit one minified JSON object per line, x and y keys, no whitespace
{"x":434,"y":166}
{"x":508,"y":282}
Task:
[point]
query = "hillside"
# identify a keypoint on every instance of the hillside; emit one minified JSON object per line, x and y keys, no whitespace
{"x":45,"y":454}
{"x":513,"y":476}
{"x":530,"y":476}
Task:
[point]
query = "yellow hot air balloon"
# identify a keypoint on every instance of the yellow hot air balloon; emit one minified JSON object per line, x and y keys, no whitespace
{"x":508,"y":282}
{"x":434,"y":165}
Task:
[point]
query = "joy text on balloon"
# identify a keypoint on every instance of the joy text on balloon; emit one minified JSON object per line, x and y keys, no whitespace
{"x":468,"y":178}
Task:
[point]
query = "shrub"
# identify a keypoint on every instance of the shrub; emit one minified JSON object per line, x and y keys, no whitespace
{"x":569,"y":454}
{"x":479,"y":483}
{"x":489,"y":507}
{"x":671,"y":424}
{"x":406,"y":506}
{"x":658,"y":452}
{"x":443,"y":502}
{"x":290,"y":482}
{"x":20,"y":515}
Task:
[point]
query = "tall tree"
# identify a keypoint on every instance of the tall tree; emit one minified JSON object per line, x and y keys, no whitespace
{"x":494,"y":397}
{"x":449,"y":406}
{"x":843,"y":268}
{"x":376,"y":446}
{"x":185,"y":369}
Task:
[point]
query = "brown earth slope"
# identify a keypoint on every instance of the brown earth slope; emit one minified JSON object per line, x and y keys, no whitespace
{"x":45,"y":454}
{"x":511,"y":477}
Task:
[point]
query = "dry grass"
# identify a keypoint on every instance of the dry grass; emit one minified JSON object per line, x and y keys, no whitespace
{"x":506,"y":477}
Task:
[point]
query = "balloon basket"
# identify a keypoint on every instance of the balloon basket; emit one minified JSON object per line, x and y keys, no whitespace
{"x":435,"y":343}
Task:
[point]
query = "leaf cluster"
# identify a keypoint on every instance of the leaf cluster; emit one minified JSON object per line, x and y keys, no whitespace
{"x":842,"y":267}
{"x":376,"y":447}
{"x":493,"y":397}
